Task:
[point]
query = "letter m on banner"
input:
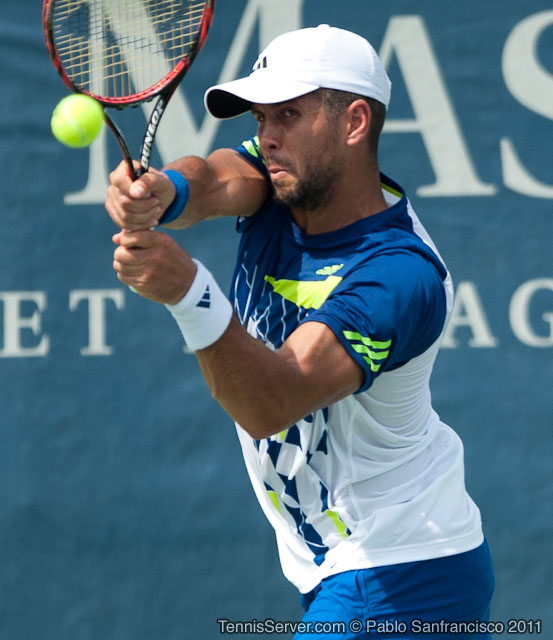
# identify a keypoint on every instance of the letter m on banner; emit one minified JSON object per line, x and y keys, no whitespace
{"x":273,"y":18}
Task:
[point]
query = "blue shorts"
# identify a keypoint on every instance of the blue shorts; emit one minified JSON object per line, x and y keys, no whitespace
{"x":441,"y":598}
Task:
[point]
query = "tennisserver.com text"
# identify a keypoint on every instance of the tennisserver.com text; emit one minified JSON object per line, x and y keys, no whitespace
{"x":396,"y":627}
{"x":270,"y":626}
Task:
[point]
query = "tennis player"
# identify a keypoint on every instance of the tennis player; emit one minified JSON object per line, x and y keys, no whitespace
{"x":324,"y":351}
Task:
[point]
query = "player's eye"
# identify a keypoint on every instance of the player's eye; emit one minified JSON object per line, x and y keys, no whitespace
{"x":289,"y":113}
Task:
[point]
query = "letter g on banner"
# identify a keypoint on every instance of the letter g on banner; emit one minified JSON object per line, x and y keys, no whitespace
{"x":519,"y":313}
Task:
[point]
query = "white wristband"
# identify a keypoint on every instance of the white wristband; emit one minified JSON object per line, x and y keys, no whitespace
{"x":204,"y":313}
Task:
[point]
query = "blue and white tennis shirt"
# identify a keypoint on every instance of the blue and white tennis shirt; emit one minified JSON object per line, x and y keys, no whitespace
{"x":376,"y":478}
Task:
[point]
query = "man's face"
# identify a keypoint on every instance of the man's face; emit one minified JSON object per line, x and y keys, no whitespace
{"x":300,"y":148}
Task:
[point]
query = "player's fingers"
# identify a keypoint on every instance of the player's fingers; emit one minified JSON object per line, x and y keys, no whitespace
{"x":138,"y":204}
{"x":124,"y":200}
{"x":130,"y":265}
{"x":123,"y":189}
{"x":156,"y":184}
{"x":128,"y":239}
{"x":151,"y":182}
{"x":131,"y":281}
{"x":120,"y":177}
{"x":138,"y":239}
{"x":127,"y":255}
{"x":140,"y":188}
{"x":132,"y":214}
{"x":128,"y":270}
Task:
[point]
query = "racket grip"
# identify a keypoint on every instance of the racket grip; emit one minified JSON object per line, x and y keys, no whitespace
{"x":135,"y":174}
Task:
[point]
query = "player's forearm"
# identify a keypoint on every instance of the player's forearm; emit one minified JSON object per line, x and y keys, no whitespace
{"x":259,"y":388}
{"x":265,"y":391}
{"x":268,"y":391}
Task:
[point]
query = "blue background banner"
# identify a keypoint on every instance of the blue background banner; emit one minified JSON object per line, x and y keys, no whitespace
{"x":125,"y":510}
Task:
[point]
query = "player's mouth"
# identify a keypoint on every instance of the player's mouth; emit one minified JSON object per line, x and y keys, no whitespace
{"x":277,"y":172}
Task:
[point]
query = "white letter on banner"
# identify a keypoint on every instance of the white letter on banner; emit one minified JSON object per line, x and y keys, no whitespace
{"x":96,"y":316}
{"x":435,"y":119}
{"x":531,"y":84}
{"x":178,"y":133}
{"x":14,"y":324}
{"x":468,"y":312}
{"x":519,"y":313}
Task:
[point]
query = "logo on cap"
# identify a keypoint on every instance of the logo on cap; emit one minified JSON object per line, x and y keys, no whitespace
{"x":261,"y":63}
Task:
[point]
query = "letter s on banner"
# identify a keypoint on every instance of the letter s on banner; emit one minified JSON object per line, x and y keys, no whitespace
{"x":531,"y":84}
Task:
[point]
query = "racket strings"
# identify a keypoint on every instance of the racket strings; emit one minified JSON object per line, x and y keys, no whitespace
{"x":118,"y":48}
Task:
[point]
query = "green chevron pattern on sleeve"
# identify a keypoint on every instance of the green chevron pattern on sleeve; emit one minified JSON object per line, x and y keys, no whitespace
{"x":374,"y":352}
{"x":252,"y":147}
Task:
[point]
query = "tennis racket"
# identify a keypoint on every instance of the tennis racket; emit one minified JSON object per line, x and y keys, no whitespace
{"x":125,"y":52}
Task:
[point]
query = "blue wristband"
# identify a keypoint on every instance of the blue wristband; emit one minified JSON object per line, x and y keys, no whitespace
{"x":182,"y":193}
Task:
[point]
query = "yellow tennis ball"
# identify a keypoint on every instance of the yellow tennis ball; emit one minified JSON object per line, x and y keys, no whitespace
{"x":77,"y":120}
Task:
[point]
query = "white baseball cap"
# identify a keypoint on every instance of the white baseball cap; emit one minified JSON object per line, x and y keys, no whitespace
{"x":299,"y":62}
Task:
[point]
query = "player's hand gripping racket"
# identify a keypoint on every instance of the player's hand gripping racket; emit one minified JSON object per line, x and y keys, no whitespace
{"x":124,"y":52}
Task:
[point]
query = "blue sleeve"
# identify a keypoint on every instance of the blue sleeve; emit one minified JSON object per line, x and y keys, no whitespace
{"x":386,"y":312}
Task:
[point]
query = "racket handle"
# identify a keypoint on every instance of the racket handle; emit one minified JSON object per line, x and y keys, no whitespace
{"x":124,"y":149}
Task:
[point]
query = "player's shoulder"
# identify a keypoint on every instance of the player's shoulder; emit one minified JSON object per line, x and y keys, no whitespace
{"x":402,"y":284}
{"x":250,"y":150}
{"x":405,"y":265}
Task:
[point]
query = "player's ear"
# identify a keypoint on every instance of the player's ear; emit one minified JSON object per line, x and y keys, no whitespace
{"x":358,"y":122}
